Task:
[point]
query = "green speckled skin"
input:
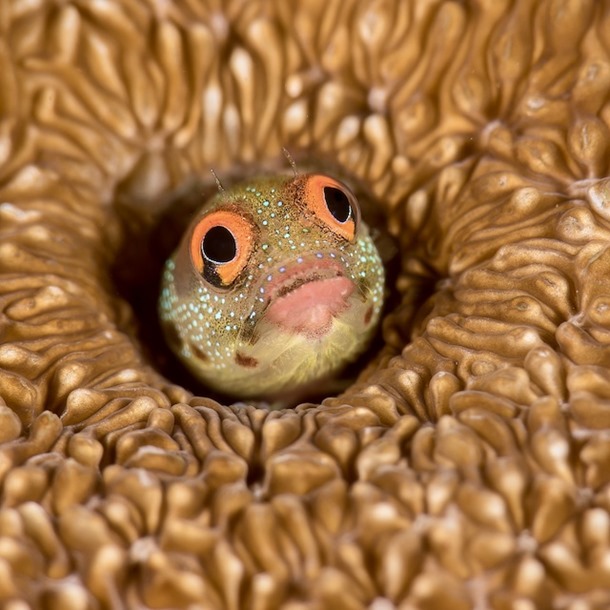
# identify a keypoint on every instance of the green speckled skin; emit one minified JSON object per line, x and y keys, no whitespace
{"x":223,"y":335}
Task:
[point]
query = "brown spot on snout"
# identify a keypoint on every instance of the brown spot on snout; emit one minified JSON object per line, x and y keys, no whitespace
{"x":368,"y":315}
{"x":198,"y":352}
{"x":246,"y":361}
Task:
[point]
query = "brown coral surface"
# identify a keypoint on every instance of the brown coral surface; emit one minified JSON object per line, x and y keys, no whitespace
{"x":469,"y":466}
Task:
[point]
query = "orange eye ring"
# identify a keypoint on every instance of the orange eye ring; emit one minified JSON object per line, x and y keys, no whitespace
{"x":333,"y":203}
{"x":220,"y":246}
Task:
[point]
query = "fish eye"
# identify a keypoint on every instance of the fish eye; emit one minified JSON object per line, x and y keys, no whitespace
{"x":337,"y":203}
{"x":221,"y":243}
{"x":218,"y":245}
{"x":333,"y":205}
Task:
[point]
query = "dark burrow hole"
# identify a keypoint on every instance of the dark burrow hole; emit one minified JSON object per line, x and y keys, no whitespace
{"x":153,"y":229}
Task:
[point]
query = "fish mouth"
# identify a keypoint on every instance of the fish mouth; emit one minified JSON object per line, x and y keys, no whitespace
{"x":321,"y":281}
{"x":304,"y":296}
{"x":288,"y":277}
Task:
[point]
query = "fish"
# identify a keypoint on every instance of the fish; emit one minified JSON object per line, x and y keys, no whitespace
{"x":276,"y":285}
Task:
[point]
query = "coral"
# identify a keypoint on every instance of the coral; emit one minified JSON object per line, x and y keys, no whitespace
{"x":469,"y":465}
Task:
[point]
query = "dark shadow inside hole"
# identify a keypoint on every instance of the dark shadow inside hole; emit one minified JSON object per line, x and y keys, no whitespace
{"x":256,"y":474}
{"x":149,"y":241}
{"x":150,"y":238}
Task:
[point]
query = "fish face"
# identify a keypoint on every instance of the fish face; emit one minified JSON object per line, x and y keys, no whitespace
{"x":275,"y":284}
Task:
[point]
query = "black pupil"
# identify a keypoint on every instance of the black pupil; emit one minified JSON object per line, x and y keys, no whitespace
{"x":218,"y":245}
{"x":338,"y":204}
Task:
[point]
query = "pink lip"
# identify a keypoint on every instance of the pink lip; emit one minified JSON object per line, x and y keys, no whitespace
{"x":307,"y":296}
{"x":298,"y":274}
{"x":311,"y":308}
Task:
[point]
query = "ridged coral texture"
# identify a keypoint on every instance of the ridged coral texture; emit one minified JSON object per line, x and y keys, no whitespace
{"x":469,"y":465}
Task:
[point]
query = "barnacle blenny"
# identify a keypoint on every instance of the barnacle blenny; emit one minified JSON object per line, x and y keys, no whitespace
{"x":276,"y":284}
